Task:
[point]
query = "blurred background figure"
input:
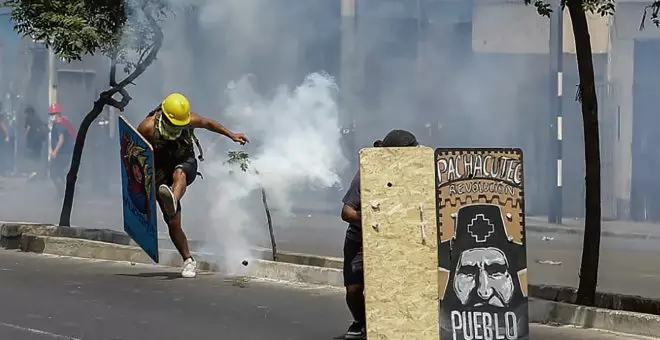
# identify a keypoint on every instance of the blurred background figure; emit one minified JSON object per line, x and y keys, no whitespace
{"x":62,"y":139}
{"x":6,"y":145}
{"x":35,"y":134}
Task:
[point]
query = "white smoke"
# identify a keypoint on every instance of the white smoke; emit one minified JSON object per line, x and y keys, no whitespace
{"x":295,"y":145}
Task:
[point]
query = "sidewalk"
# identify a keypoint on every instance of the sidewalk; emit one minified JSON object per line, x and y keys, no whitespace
{"x":624,"y":229}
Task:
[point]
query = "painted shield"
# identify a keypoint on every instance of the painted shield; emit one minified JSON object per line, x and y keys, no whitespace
{"x":138,"y":189}
{"x":482,"y":254}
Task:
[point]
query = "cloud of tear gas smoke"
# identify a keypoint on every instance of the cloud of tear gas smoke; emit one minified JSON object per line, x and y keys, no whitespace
{"x":295,"y":146}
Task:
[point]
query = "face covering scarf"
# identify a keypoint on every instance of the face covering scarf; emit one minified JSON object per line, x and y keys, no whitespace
{"x":168,"y":131}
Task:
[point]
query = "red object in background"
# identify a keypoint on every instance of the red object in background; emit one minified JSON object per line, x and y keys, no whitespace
{"x":54,"y":108}
{"x":67,"y":124}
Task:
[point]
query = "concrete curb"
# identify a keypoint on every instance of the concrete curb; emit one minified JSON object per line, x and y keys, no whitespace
{"x":116,"y":252}
{"x":609,"y":301}
{"x":119,"y":237}
{"x":10,"y":233}
{"x":551,"y":312}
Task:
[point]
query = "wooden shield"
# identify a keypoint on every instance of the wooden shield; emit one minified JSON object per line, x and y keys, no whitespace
{"x":400,"y":242}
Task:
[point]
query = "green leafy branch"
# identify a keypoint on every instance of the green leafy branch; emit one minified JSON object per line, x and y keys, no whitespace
{"x":242,"y":159}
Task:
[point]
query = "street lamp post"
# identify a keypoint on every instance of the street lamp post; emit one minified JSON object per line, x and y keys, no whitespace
{"x":556,"y":127}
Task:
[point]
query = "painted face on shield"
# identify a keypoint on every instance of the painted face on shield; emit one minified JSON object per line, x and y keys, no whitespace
{"x":169,"y":131}
{"x":482,"y":278}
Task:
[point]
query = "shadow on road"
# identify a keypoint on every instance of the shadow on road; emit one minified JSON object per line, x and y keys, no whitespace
{"x":164,"y":275}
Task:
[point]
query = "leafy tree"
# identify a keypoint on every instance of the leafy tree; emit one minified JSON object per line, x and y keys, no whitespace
{"x":128,"y":32}
{"x":578,"y":9}
{"x":242,"y":159}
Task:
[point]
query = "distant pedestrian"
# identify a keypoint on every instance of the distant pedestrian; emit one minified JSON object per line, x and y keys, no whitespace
{"x":6,"y":145}
{"x":35,"y":134}
{"x":353,"y":268}
{"x":62,"y":139}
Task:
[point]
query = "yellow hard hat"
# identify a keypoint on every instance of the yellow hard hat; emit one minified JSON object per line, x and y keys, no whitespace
{"x":176,"y":108}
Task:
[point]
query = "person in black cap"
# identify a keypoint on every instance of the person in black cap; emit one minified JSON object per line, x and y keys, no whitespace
{"x":353,"y":271}
{"x":36,"y":135}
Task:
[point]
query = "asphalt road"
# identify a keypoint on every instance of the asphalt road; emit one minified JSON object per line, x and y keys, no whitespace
{"x":626,"y":266}
{"x":54,"y":298}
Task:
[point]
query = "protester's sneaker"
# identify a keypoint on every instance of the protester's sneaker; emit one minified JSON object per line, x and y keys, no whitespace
{"x":356,"y":331}
{"x":189,"y":268}
{"x":169,"y":203}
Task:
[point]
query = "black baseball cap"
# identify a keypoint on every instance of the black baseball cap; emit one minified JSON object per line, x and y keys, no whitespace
{"x":397,"y":138}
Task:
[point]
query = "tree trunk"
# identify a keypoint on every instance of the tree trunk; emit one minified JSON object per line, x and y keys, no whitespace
{"x":586,"y":294}
{"x":273,"y":245}
{"x":106,"y":98}
{"x":72,"y":175}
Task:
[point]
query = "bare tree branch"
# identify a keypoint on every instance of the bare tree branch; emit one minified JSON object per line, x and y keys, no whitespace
{"x":655,"y":10}
{"x":113,"y":71}
{"x":144,"y":53}
{"x":118,"y":104}
{"x":148,"y":60}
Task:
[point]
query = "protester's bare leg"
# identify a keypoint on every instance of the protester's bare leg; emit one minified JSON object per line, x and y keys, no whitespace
{"x":177,"y":235}
{"x":169,"y":202}
{"x":168,"y":198}
{"x":179,"y":183}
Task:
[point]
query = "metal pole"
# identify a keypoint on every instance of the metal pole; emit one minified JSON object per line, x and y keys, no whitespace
{"x":556,"y":79}
{"x":52,"y":96}
{"x":349,"y":67}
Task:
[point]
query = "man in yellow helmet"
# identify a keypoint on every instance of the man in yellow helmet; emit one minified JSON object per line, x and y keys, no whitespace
{"x":169,"y":129}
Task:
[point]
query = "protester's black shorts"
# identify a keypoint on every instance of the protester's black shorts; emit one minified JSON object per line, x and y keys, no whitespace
{"x":165,"y":171}
{"x":353,"y":268}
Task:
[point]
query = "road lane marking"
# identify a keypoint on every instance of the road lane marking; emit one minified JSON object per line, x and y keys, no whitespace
{"x":36,"y":331}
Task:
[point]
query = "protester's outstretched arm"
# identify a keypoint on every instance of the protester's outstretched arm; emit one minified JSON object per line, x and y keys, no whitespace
{"x":201,"y":122}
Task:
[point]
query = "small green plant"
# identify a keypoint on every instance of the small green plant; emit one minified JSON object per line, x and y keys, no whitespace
{"x":242,"y":159}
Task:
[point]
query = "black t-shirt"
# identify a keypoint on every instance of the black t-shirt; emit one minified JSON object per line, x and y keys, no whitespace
{"x":38,"y":130}
{"x":67,"y":146}
{"x":352,"y":199}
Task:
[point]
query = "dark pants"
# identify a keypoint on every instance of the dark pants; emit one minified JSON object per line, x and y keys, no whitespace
{"x":34,"y":148}
{"x":353,"y":268}
{"x":38,"y":160}
{"x":58,"y":170}
{"x":7,"y":155}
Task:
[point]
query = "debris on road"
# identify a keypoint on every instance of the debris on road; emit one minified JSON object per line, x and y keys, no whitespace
{"x":552,"y":263}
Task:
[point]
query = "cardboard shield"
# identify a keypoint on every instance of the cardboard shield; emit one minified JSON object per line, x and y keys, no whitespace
{"x":138,"y":188}
{"x":482,"y":254}
{"x":397,"y":191}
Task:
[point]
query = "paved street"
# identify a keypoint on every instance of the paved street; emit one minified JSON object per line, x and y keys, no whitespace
{"x":627,"y":265}
{"x":52,"y":298}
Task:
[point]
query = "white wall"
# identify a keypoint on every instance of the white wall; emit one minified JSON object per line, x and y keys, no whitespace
{"x":515,"y":28}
